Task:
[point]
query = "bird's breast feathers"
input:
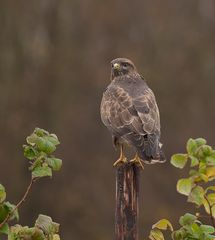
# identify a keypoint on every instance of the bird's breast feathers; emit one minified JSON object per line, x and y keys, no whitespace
{"x":129,"y":105}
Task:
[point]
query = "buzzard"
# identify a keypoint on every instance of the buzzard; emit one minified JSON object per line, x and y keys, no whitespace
{"x":129,"y":110}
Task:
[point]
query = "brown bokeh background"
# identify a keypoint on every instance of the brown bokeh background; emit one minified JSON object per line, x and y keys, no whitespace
{"x":54,"y":65}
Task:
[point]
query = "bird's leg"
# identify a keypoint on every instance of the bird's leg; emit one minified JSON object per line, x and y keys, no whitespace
{"x":122,"y":159}
{"x":137,"y":160}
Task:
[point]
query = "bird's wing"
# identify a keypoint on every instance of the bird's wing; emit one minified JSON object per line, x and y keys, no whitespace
{"x":125,"y":114}
{"x":147,"y":109}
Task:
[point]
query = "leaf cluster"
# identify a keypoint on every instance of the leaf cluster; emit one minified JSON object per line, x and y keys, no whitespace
{"x":192,"y":228}
{"x":202,"y":172}
{"x":39,"y":150}
{"x":44,"y":229}
{"x":5,"y":209}
{"x":197,"y":186}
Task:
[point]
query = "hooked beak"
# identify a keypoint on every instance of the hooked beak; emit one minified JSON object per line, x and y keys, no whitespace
{"x":116,"y":66}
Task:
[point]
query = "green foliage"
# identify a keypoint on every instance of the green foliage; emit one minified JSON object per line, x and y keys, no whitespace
{"x":179,"y":160}
{"x":156,"y":233}
{"x":202,"y":172}
{"x":39,"y":151}
{"x":199,"y":191}
{"x":2,"y":193}
{"x":192,"y":228}
{"x":5,"y":209}
{"x":163,"y":224}
{"x":184,"y":186}
{"x":44,"y":229}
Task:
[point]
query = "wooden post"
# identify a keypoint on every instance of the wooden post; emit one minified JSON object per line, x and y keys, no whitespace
{"x":127,"y":191}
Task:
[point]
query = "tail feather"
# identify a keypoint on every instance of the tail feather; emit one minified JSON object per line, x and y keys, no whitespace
{"x":148,"y":147}
{"x":159,"y":158}
{"x":152,"y":152}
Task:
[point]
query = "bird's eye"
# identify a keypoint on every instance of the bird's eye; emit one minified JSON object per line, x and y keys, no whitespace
{"x":125,"y":64}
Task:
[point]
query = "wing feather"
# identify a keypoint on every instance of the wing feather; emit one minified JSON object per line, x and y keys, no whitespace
{"x":132,"y":115}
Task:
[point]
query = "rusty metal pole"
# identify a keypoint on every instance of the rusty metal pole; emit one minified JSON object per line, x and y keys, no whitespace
{"x":127,"y":193}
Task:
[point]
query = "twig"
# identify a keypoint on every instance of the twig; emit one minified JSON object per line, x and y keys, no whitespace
{"x":20,"y":202}
{"x":210,"y":209}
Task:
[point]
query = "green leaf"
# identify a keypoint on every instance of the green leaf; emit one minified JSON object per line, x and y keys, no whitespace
{"x":207,"y":150}
{"x":195,"y":230}
{"x":197,"y":195}
{"x":210,"y":160}
{"x":187,"y":219}
{"x":32,"y":139}
{"x":193,"y":173}
{"x":212,"y":188}
{"x":179,"y":234}
{"x":179,"y":160}
{"x":163,"y":224}
{"x":156,"y":234}
{"x":10,"y":208}
{"x":204,"y":177}
{"x":53,"y":139}
{"x":4,"y":229}
{"x":45,"y":145}
{"x":210,"y":172}
{"x":2,"y":193}
{"x":40,"y":132}
{"x":194,"y":161}
{"x":202,"y":166}
{"x":5,"y":209}
{"x":207,"y":228}
{"x":46,"y":224}
{"x":191,"y":146}
{"x":203,"y":152}
{"x":211,"y":198}
{"x":42,"y":171}
{"x":184,"y":186}
{"x":207,"y":208}
{"x":37,"y":163}
{"x":200,"y":141}
{"x":56,"y":237}
{"x":3,"y":212}
{"x":30,"y":152}
{"x":54,"y":163}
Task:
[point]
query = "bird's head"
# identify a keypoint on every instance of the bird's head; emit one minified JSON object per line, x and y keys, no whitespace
{"x":122,"y":66}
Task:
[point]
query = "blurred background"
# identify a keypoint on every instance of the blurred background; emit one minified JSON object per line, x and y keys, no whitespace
{"x":54,"y":66}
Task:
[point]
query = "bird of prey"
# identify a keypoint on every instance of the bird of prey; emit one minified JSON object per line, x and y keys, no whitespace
{"x":129,"y":110}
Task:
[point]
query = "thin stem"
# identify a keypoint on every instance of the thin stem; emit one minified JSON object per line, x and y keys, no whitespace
{"x":20,"y":202}
{"x":210,"y":210}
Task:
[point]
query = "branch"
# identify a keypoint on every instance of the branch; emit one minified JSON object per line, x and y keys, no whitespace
{"x":210,"y":209}
{"x":20,"y":202}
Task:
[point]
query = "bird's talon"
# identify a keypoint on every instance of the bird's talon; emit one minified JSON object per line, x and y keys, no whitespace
{"x":120,"y":161}
{"x":136,"y":160}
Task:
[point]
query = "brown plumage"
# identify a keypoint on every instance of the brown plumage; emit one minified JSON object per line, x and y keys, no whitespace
{"x":130,"y":112}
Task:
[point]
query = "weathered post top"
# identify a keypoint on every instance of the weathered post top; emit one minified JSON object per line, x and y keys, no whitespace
{"x":127,"y":191}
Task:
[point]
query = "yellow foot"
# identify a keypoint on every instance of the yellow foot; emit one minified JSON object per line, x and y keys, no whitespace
{"x":121,"y":160}
{"x":138,"y":161}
